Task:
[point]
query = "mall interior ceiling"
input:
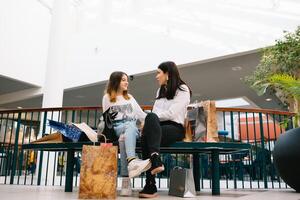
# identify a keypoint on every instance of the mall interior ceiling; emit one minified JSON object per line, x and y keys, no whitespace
{"x":216,"y":79}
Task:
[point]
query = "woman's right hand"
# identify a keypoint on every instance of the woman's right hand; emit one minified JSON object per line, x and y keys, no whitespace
{"x":142,"y":126}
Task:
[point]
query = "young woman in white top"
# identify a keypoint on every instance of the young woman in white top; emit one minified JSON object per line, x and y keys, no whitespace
{"x":117,"y":98}
{"x":165,"y":125}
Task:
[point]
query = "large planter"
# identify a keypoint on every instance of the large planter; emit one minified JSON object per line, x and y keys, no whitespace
{"x":286,"y":156}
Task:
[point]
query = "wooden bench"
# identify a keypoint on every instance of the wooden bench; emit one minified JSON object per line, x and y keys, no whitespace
{"x":194,"y":148}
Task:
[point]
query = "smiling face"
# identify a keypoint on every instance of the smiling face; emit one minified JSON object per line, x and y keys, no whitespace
{"x":123,"y":84}
{"x":161,"y":77}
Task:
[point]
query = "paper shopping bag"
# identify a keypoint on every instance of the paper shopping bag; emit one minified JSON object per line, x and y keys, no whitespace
{"x":98,"y":173}
{"x":212,"y":126}
{"x":51,"y":138}
{"x":182,"y":182}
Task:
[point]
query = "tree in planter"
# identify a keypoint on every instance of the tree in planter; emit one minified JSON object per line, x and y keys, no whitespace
{"x":282,"y":58}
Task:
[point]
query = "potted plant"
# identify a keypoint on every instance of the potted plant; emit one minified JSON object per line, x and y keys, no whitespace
{"x":279,"y":72}
{"x":282,"y":59}
{"x":287,"y":85}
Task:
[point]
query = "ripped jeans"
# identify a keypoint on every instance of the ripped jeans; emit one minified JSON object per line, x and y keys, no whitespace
{"x":128,"y":133}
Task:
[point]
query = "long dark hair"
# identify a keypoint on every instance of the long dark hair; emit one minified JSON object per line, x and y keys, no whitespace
{"x":174,"y":81}
{"x":113,"y":86}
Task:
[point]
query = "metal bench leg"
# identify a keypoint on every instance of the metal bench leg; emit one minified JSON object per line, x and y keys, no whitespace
{"x":196,"y":171}
{"x":69,"y":171}
{"x":215,"y":185}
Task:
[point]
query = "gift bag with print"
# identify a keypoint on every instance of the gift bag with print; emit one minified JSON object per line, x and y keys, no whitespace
{"x":98,"y":173}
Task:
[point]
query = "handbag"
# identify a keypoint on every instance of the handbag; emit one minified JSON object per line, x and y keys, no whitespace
{"x":182,"y":182}
{"x":98,"y":172}
{"x":105,"y":125}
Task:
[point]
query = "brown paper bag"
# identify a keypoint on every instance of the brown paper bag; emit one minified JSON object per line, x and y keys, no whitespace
{"x":51,"y":138}
{"x":98,"y":173}
{"x":188,"y":135}
{"x":211,"y":121}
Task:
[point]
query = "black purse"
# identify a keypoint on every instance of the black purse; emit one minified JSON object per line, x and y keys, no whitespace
{"x":106,"y":125}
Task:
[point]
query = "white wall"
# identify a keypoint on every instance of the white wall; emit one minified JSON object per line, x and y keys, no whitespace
{"x":24,"y":29}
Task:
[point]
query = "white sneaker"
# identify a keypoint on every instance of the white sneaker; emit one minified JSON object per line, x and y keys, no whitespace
{"x":138,"y":166}
{"x":126,"y":187}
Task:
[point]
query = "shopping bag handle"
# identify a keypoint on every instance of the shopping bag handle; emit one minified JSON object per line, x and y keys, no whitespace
{"x":100,"y":135}
{"x":177,"y":167}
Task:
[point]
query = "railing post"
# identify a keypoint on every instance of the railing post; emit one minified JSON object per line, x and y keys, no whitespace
{"x":232,"y":139}
{"x":264,"y":171}
{"x":73,"y":116}
{"x":42,"y":152}
{"x":69,"y":171}
{"x":15,"y":155}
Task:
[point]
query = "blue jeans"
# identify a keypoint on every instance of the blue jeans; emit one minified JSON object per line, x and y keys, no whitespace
{"x":127,"y":132}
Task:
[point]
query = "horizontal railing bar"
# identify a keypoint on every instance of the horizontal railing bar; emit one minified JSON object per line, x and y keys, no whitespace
{"x":255,"y":110}
{"x":147,"y":107}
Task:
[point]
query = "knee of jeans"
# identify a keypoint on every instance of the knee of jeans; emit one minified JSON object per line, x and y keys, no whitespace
{"x":122,"y":138}
{"x":131,"y":127}
{"x":130,"y":132}
{"x":151,"y":117}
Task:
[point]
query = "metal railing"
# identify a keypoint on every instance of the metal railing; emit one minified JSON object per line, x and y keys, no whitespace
{"x":260,"y":128}
{"x":255,"y":169}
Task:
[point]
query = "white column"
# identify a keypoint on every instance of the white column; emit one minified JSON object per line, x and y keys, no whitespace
{"x":60,"y":31}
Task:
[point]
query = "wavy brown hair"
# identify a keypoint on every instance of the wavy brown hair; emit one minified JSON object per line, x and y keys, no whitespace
{"x":114,"y":84}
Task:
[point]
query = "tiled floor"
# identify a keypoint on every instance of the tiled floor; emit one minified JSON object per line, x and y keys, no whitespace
{"x":11,"y":192}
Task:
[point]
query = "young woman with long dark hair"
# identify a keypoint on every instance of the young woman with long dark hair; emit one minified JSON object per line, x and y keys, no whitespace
{"x":165,"y":125}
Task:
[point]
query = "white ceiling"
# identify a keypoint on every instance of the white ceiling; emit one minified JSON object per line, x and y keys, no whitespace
{"x":8,"y":85}
{"x":136,"y":35}
{"x":139,"y":34}
{"x":220,"y":78}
